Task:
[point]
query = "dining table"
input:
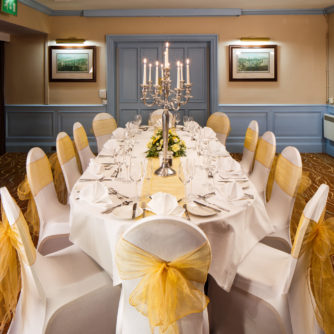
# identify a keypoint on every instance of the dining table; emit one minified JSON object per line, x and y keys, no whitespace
{"x":218,"y":197}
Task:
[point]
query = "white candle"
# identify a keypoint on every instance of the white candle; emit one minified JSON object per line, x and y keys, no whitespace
{"x":144,"y":71}
{"x":149,"y":72}
{"x":162,"y":71}
{"x":181,"y":71}
{"x":188,"y":72}
{"x":166,"y":56}
{"x":156,"y":73}
{"x":178,"y":75}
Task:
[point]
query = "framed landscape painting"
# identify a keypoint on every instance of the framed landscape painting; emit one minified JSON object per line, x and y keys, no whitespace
{"x":72,"y":63}
{"x":253,"y":63}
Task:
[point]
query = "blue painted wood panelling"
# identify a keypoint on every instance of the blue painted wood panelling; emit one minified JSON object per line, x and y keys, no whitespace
{"x":38,"y":125}
{"x":297,"y":125}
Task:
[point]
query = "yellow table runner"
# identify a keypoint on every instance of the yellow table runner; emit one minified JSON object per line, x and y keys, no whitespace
{"x":156,"y":183}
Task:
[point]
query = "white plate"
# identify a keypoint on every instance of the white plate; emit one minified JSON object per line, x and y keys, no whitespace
{"x":125,"y":212}
{"x":198,"y":210}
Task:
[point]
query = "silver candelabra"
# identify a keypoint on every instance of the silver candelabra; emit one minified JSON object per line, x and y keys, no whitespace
{"x":161,"y":94}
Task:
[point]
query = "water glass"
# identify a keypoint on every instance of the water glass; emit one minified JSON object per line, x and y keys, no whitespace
{"x":136,"y":174}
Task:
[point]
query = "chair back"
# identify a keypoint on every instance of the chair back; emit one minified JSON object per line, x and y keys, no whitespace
{"x":155,"y":118}
{"x":103,"y":126}
{"x":82,"y":145}
{"x":41,"y":184}
{"x":251,"y":137}
{"x":163,"y":238}
{"x":31,"y":287}
{"x":220,"y":123}
{"x":264,"y":157}
{"x":67,"y":160}
{"x":287,"y":178}
{"x":301,"y":303}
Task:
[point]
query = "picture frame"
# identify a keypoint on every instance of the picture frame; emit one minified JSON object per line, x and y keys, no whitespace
{"x":253,"y":62}
{"x":72,"y":64}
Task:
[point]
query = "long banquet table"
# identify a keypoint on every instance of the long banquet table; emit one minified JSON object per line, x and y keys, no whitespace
{"x":232,"y":234}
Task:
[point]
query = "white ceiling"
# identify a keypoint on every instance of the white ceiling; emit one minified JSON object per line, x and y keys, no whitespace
{"x":168,"y":4}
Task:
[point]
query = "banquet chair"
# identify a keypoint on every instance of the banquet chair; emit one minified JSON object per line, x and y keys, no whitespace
{"x":156,"y":117}
{"x":172,"y":246}
{"x":251,"y":137}
{"x":220,"y":123}
{"x":264,"y":157}
{"x":271,"y":292}
{"x":67,"y":160}
{"x":60,"y":291}
{"x":82,"y":145}
{"x":287,"y":177}
{"x":103,"y":126}
{"x":53,"y":216}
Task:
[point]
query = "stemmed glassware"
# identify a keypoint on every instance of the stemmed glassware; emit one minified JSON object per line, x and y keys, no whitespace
{"x":177,"y":118}
{"x":186,"y":175}
{"x":138,"y":120}
{"x":136,"y":174}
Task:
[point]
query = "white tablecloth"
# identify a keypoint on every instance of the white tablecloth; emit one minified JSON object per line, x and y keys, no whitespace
{"x":231,"y":234}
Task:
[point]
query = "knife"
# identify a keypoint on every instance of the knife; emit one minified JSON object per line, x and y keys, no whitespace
{"x":206,"y":206}
{"x":134,"y":208}
{"x":186,"y":211}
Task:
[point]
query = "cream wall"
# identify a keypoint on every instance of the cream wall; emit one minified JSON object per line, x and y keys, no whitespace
{"x":331,"y":55}
{"x":302,"y":55}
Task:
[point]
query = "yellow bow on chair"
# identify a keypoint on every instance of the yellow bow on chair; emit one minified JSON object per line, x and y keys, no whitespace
{"x":165,"y":293}
{"x":10,"y":280}
{"x":24,"y":193}
{"x":58,"y":179}
{"x":319,"y":242}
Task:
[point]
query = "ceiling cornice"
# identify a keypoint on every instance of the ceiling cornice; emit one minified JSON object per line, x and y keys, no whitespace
{"x":174,"y":12}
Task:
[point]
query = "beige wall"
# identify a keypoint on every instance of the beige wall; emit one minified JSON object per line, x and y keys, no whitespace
{"x":331,"y":55}
{"x":24,"y":71}
{"x":301,"y":44}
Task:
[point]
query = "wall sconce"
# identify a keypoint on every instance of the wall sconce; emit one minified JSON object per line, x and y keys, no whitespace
{"x":254,"y":39}
{"x":70,"y":40}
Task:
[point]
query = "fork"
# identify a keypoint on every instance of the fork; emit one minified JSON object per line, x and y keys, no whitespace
{"x":116,"y":206}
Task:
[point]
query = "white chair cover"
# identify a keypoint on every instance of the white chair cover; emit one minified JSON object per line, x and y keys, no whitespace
{"x":67,"y":160}
{"x":155,"y":118}
{"x":61,"y":291}
{"x":268,"y":281}
{"x":53,"y":216}
{"x":264,"y":157}
{"x":287,"y":177}
{"x":103,"y":126}
{"x":220,"y":123}
{"x":166,"y":238}
{"x":82,"y":145}
{"x":251,"y":137}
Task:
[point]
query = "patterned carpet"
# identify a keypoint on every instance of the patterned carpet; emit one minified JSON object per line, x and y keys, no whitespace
{"x":319,"y":166}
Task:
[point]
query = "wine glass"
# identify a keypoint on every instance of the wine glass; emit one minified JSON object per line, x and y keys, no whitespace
{"x":186,"y":175}
{"x":136,"y":174}
{"x":177,"y":118}
{"x":138,"y":120}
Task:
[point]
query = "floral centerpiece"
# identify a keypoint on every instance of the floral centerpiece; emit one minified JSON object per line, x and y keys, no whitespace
{"x":175,"y":144}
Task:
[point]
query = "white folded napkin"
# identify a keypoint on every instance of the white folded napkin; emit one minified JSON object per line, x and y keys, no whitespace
{"x":229,"y":166}
{"x":231,"y":191}
{"x":192,"y":126}
{"x":217,"y":148}
{"x":95,"y":193}
{"x":94,"y":170}
{"x":207,"y":133}
{"x":111,"y":145}
{"x":164,"y":204}
{"x":119,"y":133}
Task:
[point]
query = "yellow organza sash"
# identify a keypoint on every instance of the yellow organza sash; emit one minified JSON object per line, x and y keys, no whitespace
{"x":165,"y":293}
{"x":219,"y":123}
{"x":10,"y":280}
{"x":31,"y":214}
{"x":58,"y":179}
{"x":251,"y":138}
{"x":65,"y":150}
{"x":81,"y":139}
{"x":103,"y":127}
{"x":287,"y":176}
{"x":265,"y":153}
{"x":319,"y":242}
